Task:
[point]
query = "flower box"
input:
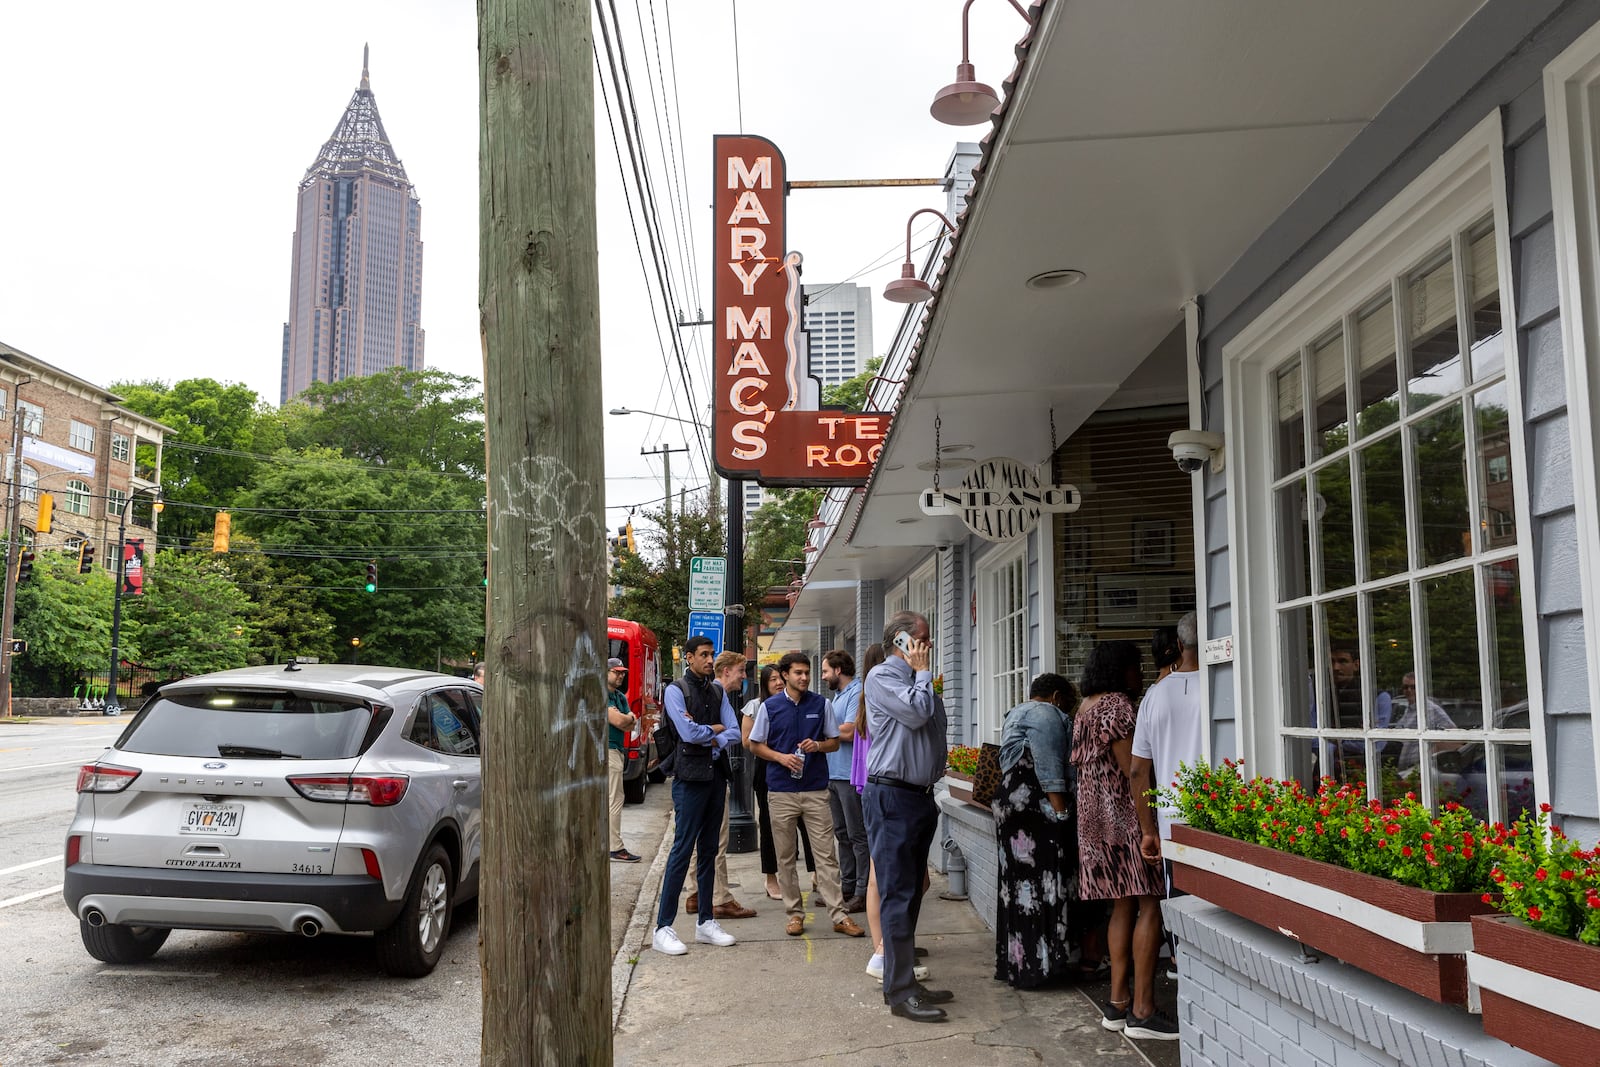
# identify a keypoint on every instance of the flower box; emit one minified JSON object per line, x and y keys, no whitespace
{"x":1539,"y":992}
{"x":1411,"y":937}
{"x":960,"y":785}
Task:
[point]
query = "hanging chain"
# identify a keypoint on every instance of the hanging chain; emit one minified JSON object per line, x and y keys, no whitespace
{"x":1052,"y":433}
{"x":938,"y":425}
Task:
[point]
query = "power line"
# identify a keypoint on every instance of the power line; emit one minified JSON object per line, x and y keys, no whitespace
{"x":738,"y":76}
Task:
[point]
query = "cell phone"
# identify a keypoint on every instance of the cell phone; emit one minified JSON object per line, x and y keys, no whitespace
{"x":902,"y":641}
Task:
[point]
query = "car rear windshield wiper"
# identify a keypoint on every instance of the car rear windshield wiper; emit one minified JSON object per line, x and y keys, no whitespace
{"x":251,"y":751}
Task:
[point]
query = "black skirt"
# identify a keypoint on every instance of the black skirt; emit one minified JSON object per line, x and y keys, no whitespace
{"x":1035,"y":926}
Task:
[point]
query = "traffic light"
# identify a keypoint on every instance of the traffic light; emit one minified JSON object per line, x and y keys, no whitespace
{"x":372,"y":576}
{"x":219,"y":536}
{"x":486,"y":574}
{"x":47,"y":510}
{"x":628,"y":531}
{"x":85,"y":557}
{"x":25,"y":565}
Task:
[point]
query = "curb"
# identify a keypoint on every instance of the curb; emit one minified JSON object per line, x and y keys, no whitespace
{"x":640,"y":923}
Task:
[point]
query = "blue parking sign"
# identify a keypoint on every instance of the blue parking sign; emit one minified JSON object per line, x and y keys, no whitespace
{"x":707,"y":624}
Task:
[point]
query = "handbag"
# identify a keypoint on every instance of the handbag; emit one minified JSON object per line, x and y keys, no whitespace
{"x":986,"y":779}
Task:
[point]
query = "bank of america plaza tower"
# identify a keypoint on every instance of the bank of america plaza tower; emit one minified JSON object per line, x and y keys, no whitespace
{"x":355,"y":287}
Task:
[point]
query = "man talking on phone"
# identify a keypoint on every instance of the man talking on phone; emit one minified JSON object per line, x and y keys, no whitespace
{"x":906,"y":722}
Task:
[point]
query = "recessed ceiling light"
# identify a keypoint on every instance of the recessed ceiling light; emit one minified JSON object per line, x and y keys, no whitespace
{"x":1055,"y":279}
{"x":895,"y":467}
{"x":946,"y":462}
{"x":908,"y":521}
{"x":954,"y":448}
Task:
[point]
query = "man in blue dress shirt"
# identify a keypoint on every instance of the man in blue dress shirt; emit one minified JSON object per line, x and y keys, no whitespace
{"x":699,"y":710}
{"x":906,"y":722}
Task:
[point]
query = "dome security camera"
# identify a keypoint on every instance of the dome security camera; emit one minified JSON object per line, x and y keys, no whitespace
{"x":1193,"y":449}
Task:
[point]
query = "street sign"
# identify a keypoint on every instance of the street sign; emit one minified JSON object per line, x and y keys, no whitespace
{"x":707,"y":578}
{"x":707,"y":624}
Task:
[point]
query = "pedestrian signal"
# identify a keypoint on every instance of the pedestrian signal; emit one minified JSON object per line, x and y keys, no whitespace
{"x":85,"y":557}
{"x":372,"y":577}
{"x":25,"y":565}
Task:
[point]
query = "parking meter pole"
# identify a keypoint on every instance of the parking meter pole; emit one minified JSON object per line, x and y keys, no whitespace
{"x":741,"y":811}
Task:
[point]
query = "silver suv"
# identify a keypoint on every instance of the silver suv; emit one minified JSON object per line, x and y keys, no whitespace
{"x":297,"y":799}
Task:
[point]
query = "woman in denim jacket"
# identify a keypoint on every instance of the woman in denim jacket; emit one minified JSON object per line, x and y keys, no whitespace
{"x":1037,"y":928}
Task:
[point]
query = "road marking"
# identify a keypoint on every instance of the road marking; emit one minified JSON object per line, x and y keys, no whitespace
{"x":24,"y":898}
{"x":35,"y":863}
{"x":40,"y":766}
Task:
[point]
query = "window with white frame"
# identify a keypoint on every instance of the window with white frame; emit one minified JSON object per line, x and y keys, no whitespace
{"x":119,"y":447}
{"x":922,"y":597}
{"x":28,"y":485}
{"x":80,"y":435}
{"x":1398,"y":600}
{"x":76,"y":499}
{"x":31,"y":417}
{"x":116,"y":500}
{"x":1003,"y":608}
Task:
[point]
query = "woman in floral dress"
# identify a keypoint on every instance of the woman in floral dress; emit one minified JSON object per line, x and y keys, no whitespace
{"x":1109,"y":864}
{"x":1038,"y":851}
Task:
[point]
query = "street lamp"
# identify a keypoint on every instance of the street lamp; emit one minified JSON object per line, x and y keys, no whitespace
{"x":113,"y":702}
{"x":654,"y":414}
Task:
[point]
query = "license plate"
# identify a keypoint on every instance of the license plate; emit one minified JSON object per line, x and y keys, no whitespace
{"x":209,"y":819}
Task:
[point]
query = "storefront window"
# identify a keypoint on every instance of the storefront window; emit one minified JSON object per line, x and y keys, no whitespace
{"x":1124,"y":561}
{"x":1399,"y":604}
{"x":1003,"y":594}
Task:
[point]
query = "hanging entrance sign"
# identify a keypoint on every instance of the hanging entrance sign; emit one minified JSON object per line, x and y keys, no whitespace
{"x":760,"y":430}
{"x":1000,"y":500}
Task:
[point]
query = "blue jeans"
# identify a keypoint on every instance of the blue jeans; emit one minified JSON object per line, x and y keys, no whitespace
{"x":697,"y":807}
{"x":900,"y":831}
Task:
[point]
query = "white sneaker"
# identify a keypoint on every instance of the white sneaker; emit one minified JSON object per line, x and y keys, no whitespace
{"x":711,"y":932}
{"x":875,"y":969}
{"x":666,"y":940}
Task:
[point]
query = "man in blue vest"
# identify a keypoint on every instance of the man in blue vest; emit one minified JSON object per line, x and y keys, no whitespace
{"x":700,"y":713}
{"x":793,"y":731}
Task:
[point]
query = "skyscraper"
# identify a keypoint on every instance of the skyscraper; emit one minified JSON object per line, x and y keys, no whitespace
{"x":355,"y":284}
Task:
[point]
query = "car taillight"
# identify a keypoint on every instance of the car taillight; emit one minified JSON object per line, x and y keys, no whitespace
{"x":74,"y":848}
{"x":105,"y":778}
{"x":380,"y":791}
{"x":370,"y":858}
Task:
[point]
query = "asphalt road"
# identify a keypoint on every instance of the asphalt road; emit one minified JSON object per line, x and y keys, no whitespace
{"x":216,"y":998}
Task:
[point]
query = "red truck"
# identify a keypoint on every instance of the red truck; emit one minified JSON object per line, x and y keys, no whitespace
{"x":635,"y":645}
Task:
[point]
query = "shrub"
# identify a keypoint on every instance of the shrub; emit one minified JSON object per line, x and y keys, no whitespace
{"x":1545,"y":880}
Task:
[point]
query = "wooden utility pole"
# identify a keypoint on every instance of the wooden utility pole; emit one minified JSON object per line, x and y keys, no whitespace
{"x":545,"y":915}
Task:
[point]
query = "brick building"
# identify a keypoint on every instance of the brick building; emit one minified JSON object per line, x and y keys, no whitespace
{"x":78,"y":444}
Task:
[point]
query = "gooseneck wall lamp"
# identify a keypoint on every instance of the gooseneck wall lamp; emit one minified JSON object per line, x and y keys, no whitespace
{"x":967,"y":101}
{"x":908,"y":288}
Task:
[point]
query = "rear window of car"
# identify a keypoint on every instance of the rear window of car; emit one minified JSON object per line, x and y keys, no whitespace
{"x":249,"y":724}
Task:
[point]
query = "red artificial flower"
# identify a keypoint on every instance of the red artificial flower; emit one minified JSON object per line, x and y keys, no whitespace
{"x":1566,"y":876}
{"x":1405,"y":850}
{"x":1545,"y":808}
{"x":1534,"y":912}
{"x":1540,"y":874}
{"x":1488,"y":899}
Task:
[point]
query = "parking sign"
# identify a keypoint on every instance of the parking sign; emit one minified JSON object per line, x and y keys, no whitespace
{"x":707,"y":576}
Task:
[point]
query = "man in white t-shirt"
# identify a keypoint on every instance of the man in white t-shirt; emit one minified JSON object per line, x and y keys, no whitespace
{"x":1170,"y":730}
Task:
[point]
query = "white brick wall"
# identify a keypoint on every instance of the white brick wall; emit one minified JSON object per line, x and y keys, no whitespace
{"x":973,"y":833}
{"x":1244,"y":1000}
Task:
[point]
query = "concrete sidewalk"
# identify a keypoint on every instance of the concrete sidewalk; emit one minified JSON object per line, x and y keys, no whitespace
{"x":775,"y":999}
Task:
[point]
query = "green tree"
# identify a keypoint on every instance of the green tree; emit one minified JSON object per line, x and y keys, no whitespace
{"x":655,"y":594}
{"x":425,"y":420}
{"x":191,"y":618}
{"x":852,"y":394}
{"x":65,"y":617}
{"x":774,"y":542}
{"x":423,"y":530}
{"x":282,"y":623}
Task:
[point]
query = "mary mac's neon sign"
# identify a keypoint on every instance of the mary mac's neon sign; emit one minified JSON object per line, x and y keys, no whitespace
{"x":760,"y":432}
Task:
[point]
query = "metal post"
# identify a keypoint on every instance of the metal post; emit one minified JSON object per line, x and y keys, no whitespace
{"x":741,"y":813}
{"x":13,"y":528}
{"x":113,"y":704}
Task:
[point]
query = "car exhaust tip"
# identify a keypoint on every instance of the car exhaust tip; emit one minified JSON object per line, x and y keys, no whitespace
{"x":309,"y":928}
{"x":95,"y":917}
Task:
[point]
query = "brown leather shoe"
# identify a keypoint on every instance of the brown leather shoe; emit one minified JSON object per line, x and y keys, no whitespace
{"x":848,"y":927}
{"x":732,"y":910}
{"x":693,"y":903}
{"x":796,"y":927}
{"x":856,"y":904}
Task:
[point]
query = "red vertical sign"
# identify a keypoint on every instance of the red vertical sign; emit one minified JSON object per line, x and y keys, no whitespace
{"x":133,"y":568}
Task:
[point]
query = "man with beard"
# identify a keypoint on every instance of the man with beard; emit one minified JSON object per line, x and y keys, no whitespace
{"x":849,"y":829}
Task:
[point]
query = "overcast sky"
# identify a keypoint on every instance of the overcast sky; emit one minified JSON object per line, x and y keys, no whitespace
{"x":152,"y":154}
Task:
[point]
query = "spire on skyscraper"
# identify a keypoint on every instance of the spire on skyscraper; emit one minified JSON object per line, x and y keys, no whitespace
{"x":359,"y":142}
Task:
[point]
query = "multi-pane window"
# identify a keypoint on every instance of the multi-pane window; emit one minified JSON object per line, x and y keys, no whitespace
{"x":28,"y":485}
{"x":80,"y":435}
{"x":1004,"y":589}
{"x":1399,"y":596}
{"x":119,"y":447}
{"x":76,"y":498}
{"x":922,"y":597}
{"x":116,"y":500}
{"x":31,"y":416}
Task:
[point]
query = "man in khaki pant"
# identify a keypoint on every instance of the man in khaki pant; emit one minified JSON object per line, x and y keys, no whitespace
{"x":728,"y":669}
{"x":793,"y":731}
{"x":618,"y":720}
